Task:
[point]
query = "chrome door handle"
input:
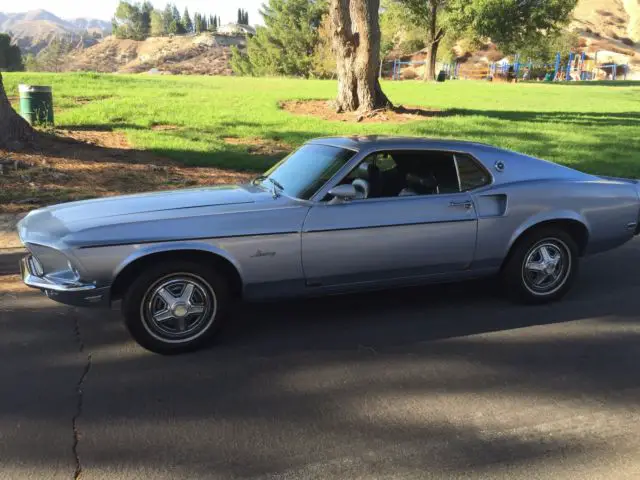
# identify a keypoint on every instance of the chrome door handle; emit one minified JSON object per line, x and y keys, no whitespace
{"x":465,"y":204}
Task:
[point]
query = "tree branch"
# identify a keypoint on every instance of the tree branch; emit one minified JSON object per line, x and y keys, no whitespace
{"x":439,"y":35}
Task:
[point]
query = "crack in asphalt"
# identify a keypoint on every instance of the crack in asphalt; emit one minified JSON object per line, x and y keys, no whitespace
{"x":79,"y":399}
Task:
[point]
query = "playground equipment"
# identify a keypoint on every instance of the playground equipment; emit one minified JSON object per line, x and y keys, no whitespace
{"x":578,"y":67}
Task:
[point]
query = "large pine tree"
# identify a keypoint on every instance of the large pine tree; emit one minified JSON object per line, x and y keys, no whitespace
{"x":285,"y":44}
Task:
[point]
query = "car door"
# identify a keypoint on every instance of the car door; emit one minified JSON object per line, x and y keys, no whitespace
{"x":385,"y":239}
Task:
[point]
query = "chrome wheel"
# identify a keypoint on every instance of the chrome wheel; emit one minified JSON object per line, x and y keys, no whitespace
{"x":546,"y":267}
{"x":178,"y":308}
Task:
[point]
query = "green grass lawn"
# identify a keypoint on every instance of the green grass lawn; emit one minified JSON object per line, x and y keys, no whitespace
{"x":591,"y":127}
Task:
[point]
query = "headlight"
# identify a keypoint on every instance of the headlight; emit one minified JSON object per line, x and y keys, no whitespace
{"x":35,"y":266}
{"x":73,"y":270}
{"x":47,"y":260}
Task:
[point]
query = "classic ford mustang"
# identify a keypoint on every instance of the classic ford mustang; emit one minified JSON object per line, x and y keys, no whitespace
{"x":336,"y":215}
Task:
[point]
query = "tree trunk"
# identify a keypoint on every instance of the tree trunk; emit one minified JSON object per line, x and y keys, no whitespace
{"x":434,"y":36}
{"x":355,"y":31}
{"x":430,"y":66}
{"x":14,"y":130}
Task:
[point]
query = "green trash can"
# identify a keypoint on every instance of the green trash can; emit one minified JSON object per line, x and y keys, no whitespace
{"x":36,"y":104}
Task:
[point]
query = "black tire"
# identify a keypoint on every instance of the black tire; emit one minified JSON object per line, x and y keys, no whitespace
{"x":209,"y":292}
{"x":520,"y":281}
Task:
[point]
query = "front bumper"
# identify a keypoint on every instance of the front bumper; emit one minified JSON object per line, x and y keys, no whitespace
{"x":76,"y":294}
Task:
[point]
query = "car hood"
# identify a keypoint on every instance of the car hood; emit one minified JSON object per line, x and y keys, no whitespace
{"x":149,"y":202}
{"x":57,"y":221}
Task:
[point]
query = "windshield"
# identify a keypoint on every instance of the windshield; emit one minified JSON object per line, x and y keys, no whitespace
{"x":303,"y":172}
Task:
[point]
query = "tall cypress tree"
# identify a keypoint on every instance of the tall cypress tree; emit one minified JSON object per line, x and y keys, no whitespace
{"x":176,"y":14}
{"x":186,"y":21}
{"x":167,"y":17}
{"x":145,"y":18}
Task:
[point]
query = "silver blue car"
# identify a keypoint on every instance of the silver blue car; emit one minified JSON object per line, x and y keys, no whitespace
{"x":337,"y":215}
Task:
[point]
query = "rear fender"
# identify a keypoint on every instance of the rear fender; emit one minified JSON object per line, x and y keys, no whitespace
{"x":547,"y":216}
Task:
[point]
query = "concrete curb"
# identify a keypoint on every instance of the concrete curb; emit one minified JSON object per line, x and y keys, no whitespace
{"x":11,"y":249}
{"x":10,"y":260}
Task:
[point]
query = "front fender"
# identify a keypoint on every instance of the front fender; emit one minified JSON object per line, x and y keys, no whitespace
{"x":146,"y":250}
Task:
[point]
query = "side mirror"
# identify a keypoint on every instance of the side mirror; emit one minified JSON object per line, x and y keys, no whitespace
{"x":344,"y":192}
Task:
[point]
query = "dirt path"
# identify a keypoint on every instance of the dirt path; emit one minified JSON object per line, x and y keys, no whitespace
{"x":79,"y":164}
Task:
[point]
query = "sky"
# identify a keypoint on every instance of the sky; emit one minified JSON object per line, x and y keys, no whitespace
{"x":104,"y":9}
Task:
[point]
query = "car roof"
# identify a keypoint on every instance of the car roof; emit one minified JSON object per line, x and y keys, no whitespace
{"x":380,"y":141}
{"x":516,"y":166}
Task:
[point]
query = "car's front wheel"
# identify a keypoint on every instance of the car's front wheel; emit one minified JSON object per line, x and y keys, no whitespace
{"x":175,"y":307}
{"x":542,"y":266}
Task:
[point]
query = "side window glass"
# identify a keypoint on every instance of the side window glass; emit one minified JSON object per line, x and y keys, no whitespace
{"x":377,"y":176}
{"x":359,"y":171}
{"x":384,"y":162}
{"x":471,"y":174}
{"x":415,"y":173}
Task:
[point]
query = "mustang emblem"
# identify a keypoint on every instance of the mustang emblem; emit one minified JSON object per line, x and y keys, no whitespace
{"x":261,"y":253}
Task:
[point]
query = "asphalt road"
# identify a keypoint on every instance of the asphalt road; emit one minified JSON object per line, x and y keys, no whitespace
{"x":438,"y":382}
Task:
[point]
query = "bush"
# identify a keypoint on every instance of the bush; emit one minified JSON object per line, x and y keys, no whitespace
{"x":240,"y":63}
{"x":323,"y":60}
{"x":409,"y":75}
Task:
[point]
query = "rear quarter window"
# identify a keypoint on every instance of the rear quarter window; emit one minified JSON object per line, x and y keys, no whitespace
{"x":471,"y":174}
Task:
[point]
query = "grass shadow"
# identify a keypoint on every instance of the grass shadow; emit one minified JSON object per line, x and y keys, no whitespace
{"x":591,"y":119}
{"x":595,"y":83}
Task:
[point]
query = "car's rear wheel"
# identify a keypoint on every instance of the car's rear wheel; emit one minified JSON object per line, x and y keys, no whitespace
{"x":542,"y":266}
{"x":175,"y":307}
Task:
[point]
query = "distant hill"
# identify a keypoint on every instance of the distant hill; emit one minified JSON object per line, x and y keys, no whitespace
{"x":204,"y":54}
{"x":92,"y":24}
{"x":616,"y":19}
{"x":34,"y":30}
